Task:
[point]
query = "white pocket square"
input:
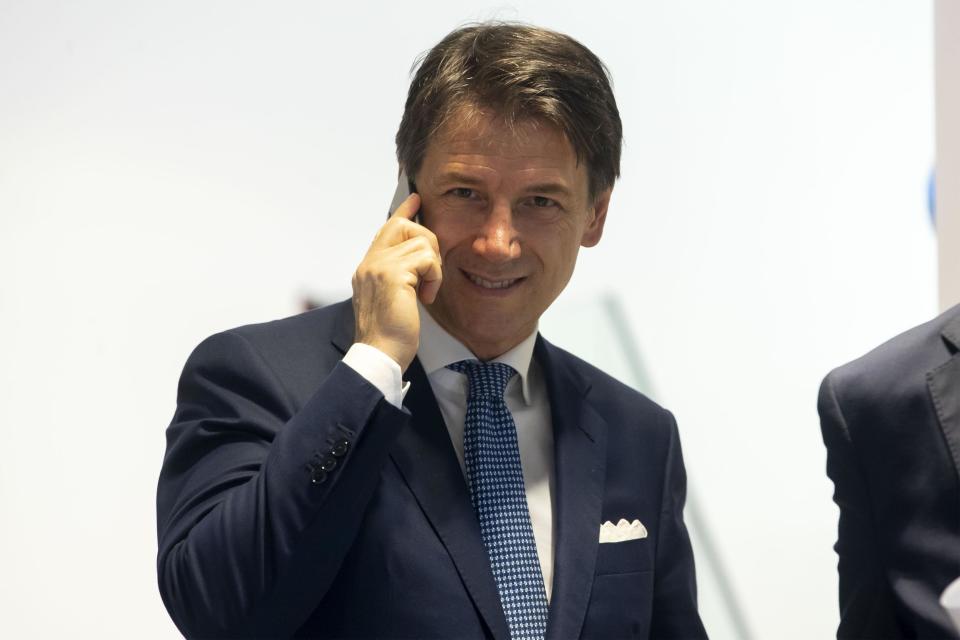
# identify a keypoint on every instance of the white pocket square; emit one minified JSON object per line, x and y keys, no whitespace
{"x":622,"y":531}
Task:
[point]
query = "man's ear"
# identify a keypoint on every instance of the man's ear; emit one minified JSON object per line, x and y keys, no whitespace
{"x":597,"y":217}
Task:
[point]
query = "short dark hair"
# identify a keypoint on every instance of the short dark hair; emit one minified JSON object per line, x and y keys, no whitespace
{"x":521,"y":72}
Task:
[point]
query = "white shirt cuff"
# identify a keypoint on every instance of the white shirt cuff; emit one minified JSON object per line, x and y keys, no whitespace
{"x":378,"y":369}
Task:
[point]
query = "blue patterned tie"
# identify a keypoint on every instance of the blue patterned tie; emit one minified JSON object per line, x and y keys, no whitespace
{"x":495,"y":477}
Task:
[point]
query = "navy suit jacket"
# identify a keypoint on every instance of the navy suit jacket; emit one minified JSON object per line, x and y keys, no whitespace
{"x":891,"y":424}
{"x":387,"y":545}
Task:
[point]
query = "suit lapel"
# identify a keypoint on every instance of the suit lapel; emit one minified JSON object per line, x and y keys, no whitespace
{"x":944,"y":385}
{"x":580,"y":440}
{"x":427,"y":461}
{"x":425,"y":457}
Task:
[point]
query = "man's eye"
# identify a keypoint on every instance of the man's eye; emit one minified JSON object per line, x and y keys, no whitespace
{"x":542,"y":201}
{"x":463,"y":192}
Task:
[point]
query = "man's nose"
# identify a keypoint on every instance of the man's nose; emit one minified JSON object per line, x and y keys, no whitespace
{"x":498,"y":240}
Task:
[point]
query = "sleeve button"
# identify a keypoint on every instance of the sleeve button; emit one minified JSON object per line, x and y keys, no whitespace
{"x":329,"y":464}
{"x":318,"y":476}
{"x":340,"y":448}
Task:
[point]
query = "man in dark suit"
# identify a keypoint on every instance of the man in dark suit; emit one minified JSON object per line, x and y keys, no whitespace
{"x":348,"y":472}
{"x":891,"y":424}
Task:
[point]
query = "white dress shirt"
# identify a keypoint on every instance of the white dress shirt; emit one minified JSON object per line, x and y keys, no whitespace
{"x":526,"y":398}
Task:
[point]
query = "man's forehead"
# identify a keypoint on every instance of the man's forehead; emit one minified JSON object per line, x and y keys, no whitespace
{"x":472,"y":129}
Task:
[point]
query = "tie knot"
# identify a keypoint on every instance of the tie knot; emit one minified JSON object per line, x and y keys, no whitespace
{"x":485,"y":378}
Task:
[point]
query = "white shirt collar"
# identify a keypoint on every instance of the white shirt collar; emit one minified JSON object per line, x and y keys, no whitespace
{"x":438,"y":349}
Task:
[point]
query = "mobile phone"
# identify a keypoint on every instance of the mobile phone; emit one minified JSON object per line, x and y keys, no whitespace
{"x":405,"y":187}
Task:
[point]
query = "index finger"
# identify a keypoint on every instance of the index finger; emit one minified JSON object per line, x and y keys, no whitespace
{"x":408,"y":208}
{"x":400,"y":227}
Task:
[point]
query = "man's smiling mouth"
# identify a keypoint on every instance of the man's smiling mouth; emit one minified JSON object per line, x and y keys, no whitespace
{"x":490,"y":284}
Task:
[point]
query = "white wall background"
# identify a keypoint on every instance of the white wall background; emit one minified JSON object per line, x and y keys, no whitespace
{"x":947,"y":46}
{"x":171,"y":169}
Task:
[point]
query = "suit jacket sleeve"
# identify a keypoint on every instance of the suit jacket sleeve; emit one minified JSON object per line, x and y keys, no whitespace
{"x":866,"y":604}
{"x":248,"y":544}
{"x":675,"y":593}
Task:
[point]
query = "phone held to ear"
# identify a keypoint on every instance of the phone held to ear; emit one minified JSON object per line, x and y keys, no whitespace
{"x":405,"y":187}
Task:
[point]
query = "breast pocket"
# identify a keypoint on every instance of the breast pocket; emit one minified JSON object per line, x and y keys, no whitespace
{"x":629,"y":556}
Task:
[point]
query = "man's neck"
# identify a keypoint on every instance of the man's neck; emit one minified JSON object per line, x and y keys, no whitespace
{"x":482,"y":350}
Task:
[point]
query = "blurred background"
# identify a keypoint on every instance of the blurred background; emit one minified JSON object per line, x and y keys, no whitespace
{"x":169,"y":170}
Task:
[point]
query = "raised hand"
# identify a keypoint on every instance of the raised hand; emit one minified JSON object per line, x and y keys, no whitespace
{"x":402,"y":263}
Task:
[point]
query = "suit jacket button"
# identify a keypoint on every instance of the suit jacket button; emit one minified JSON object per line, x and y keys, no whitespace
{"x":340,"y":448}
{"x":318,"y":476}
{"x":329,"y":464}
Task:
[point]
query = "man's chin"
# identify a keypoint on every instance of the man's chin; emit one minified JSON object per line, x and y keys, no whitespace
{"x":476,"y":320}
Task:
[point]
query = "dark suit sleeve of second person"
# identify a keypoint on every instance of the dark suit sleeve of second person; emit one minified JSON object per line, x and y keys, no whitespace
{"x":866,"y":604}
{"x":675,"y":592}
{"x":249,"y":537}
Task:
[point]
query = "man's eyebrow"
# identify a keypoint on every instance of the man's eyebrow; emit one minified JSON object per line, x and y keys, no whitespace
{"x":456,"y":176}
{"x":549,"y":187}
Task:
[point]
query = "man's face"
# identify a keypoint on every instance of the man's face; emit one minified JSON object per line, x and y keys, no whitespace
{"x":511,"y":209}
